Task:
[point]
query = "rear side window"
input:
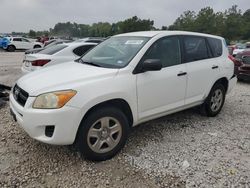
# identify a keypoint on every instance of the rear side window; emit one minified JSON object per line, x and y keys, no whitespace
{"x":53,"y":49}
{"x":195,"y":48}
{"x":17,"y":39}
{"x":215,"y":46}
{"x":79,"y":51}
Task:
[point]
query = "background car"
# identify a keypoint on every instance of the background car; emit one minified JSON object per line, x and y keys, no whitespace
{"x":243,"y":65}
{"x":55,"y":54}
{"x":20,"y":43}
{"x":52,"y":43}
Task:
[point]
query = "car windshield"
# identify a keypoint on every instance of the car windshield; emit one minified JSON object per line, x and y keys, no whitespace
{"x":53,"y":49}
{"x":115,"y":52}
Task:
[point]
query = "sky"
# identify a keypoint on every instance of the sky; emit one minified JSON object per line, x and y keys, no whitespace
{"x":23,"y":15}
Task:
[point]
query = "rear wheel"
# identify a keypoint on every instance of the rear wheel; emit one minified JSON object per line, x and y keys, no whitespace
{"x":102,"y":134}
{"x":11,"y":48}
{"x":215,"y":100}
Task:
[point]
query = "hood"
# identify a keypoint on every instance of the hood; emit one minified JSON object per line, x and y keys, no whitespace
{"x":61,"y":77}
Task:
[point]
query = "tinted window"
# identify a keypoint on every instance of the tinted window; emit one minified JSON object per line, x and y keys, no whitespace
{"x":25,"y":40}
{"x":53,"y":49}
{"x":17,"y":39}
{"x":82,"y":49}
{"x":195,"y":48}
{"x":215,"y":46}
{"x":167,"y":50}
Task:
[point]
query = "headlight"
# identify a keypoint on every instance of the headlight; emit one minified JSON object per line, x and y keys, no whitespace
{"x":53,"y":100}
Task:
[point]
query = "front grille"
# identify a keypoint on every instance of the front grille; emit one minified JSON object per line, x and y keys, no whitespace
{"x":20,"y":95}
{"x":246,"y":68}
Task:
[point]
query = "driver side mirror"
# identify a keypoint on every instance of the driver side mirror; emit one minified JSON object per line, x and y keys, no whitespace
{"x":151,"y":65}
{"x":148,"y":65}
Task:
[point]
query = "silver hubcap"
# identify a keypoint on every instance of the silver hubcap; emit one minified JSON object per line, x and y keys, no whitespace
{"x":104,"y":135}
{"x":216,"y":100}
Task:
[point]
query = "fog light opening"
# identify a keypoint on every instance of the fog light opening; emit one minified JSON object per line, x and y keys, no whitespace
{"x":49,"y":130}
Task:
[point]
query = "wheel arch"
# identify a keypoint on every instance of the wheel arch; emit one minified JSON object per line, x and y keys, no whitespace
{"x":223,"y":81}
{"x":118,"y":103}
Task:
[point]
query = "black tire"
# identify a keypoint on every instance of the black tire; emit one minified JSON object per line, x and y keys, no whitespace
{"x":37,"y":46}
{"x":11,"y":48}
{"x":207,"y":106}
{"x":83,"y":141}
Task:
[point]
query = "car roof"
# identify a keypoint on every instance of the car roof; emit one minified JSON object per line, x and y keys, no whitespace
{"x":154,"y":33}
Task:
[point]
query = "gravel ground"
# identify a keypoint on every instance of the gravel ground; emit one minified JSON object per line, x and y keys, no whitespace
{"x":181,"y":150}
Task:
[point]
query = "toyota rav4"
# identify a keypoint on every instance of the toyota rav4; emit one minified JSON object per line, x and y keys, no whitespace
{"x":124,"y":81}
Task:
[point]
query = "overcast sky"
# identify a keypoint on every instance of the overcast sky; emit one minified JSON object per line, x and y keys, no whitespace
{"x":22,"y":15}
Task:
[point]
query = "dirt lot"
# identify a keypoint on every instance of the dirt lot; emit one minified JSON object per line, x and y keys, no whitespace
{"x":181,"y":150}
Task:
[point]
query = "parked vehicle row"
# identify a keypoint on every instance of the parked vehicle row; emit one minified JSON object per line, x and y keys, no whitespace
{"x":124,"y":81}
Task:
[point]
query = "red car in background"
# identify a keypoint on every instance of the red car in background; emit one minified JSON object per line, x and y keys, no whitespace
{"x":242,"y":65}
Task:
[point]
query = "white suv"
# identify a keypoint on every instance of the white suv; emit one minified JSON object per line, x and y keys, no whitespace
{"x":124,"y":81}
{"x":20,"y":43}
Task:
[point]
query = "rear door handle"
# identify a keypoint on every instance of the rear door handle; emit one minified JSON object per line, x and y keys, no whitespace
{"x":181,"y":73}
{"x":215,"y":67}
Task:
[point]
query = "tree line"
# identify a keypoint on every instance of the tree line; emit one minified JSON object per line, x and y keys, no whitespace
{"x":232,"y":24}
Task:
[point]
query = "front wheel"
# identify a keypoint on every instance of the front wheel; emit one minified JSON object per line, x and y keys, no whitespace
{"x":102,"y":134}
{"x":215,"y":100}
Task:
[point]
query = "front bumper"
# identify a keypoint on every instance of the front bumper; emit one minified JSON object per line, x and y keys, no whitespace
{"x":34,"y":121}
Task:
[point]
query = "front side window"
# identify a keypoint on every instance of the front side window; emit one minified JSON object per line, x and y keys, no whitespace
{"x":167,"y":50}
{"x":25,"y":40}
{"x":115,"y":52}
{"x":195,"y":48}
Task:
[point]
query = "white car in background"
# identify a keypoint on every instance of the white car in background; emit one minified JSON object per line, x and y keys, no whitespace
{"x":55,"y":54}
{"x":21,"y":43}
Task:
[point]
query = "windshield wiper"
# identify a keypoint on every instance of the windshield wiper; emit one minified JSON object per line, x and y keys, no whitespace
{"x":89,"y":63}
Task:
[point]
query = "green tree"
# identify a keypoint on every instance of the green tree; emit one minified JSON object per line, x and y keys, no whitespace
{"x":185,"y":22}
{"x":32,"y":33}
{"x":135,"y":24}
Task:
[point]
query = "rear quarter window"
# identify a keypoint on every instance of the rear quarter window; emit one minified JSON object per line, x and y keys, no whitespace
{"x":53,"y":49}
{"x":79,"y":51}
{"x":215,"y":46}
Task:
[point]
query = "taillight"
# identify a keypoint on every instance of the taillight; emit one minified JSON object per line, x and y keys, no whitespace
{"x":235,"y":61}
{"x":40,"y":62}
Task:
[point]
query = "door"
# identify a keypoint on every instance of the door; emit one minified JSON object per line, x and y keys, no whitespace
{"x":202,"y":68}
{"x":164,"y":90}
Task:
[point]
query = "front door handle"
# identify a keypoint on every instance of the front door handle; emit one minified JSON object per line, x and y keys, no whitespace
{"x":215,"y":67}
{"x":181,"y":73}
